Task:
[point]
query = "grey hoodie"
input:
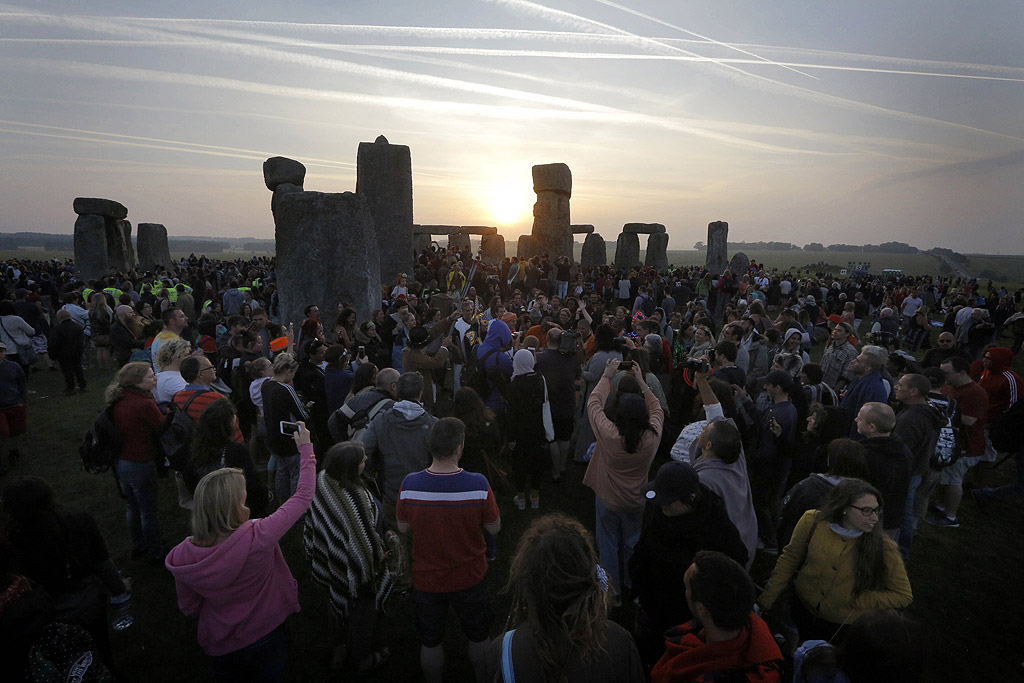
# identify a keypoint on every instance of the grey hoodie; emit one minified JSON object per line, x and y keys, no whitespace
{"x":397,"y":443}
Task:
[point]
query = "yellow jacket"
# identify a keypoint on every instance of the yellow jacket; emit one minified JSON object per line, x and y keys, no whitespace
{"x":825,"y":562}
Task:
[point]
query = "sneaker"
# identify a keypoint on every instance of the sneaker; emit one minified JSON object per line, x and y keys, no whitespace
{"x":936,"y":511}
{"x":942,"y":520}
{"x":520,"y":503}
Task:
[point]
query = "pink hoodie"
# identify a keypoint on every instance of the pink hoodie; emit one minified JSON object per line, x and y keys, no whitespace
{"x":241,"y":589}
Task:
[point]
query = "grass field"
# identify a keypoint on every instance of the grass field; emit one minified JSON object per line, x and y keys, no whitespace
{"x":968,"y":592}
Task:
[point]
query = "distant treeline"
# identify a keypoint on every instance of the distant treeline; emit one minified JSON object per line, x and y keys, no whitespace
{"x":885,"y":248}
{"x":199,"y":245}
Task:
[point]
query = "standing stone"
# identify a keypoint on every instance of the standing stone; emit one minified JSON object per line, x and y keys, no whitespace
{"x":93,"y":206}
{"x":459,"y":240}
{"x":126,"y":229}
{"x":657,"y":251}
{"x":595,"y":251}
{"x":420,"y":241}
{"x":627,"y":250}
{"x":154,"y":253}
{"x":278,"y":170}
{"x":552,"y":232}
{"x":524,"y":247}
{"x":718,"y":247}
{"x":281,"y":190}
{"x":384,"y":178}
{"x":91,"y":246}
{"x":739,"y":264}
{"x":492,"y":248}
{"x":326,"y":254}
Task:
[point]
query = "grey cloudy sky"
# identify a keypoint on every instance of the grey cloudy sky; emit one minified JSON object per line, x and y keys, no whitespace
{"x":796,"y":121}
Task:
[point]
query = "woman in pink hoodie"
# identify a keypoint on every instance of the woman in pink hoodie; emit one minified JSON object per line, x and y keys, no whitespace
{"x":231,"y":574}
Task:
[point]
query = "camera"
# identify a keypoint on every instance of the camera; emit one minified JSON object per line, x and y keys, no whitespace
{"x":696,"y":365}
{"x":625,"y":366}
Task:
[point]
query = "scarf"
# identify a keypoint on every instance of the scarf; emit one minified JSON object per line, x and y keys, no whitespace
{"x":522,"y":363}
{"x":342,"y":542}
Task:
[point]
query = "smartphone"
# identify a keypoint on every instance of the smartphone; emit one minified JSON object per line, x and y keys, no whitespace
{"x":626,"y":366}
{"x":289,"y":428}
{"x":362,"y":351}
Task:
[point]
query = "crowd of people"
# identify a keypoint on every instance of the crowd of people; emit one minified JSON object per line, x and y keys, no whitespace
{"x":393,"y":440}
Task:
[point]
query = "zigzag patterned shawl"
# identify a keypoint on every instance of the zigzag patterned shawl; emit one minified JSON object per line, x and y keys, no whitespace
{"x":342,"y":542}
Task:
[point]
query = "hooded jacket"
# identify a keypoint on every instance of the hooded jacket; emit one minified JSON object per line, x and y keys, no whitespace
{"x":241,"y":588}
{"x":397,"y":443}
{"x":918,"y":426}
{"x":889,"y":462}
{"x":753,"y":656}
{"x":1002,"y":384}
{"x":498,"y":338}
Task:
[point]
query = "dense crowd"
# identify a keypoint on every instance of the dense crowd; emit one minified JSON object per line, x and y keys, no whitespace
{"x":391,"y":440}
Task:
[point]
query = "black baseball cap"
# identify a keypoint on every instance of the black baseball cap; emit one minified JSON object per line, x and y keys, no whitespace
{"x":674,"y":481}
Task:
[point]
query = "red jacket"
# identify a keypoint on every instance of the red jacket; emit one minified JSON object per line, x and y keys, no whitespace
{"x":752,"y":656}
{"x":196,"y":408}
{"x":140,"y":422}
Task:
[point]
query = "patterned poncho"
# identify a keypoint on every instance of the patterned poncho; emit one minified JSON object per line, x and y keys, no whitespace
{"x":342,"y":542}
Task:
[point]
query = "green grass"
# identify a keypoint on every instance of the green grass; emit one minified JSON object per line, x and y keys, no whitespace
{"x":968,"y":592}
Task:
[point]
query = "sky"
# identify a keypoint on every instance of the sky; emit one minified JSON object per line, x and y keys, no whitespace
{"x":799,"y":122}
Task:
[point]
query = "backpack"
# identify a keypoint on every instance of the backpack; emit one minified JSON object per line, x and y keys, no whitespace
{"x":102,"y":444}
{"x":569,"y":343}
{"x":951,"y":444}
{"x":176,"y":435}
{"x":481,"y":379}
{"x":353,"y":422}
{"x":66,"y":653}
{"x":1004,"y":429}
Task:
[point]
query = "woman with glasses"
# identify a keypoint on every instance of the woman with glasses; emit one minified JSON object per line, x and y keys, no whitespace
{"x":843,"y":564}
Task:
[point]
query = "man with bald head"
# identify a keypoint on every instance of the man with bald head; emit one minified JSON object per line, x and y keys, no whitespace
{"x":868,"y":385}
{"x":888,"y":460}
{"x":945,"y":350}
{"x":348,"y":421}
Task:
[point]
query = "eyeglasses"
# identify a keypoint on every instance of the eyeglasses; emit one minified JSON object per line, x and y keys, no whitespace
{"x":208,"y":367}
{"x":867,"y":512}
{"x":945,"y":341}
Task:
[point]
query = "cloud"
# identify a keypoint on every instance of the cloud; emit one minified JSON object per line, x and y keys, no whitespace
{"x":974,"y":167}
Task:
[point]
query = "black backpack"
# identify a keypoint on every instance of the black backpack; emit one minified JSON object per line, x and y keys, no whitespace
{"x":952,"y":443}
{"x":177,"y":433}
{"x":481,"y":379}
{"x":102,"y":444}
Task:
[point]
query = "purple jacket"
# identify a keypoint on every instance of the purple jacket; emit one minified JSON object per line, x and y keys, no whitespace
{"x":241,"y":589}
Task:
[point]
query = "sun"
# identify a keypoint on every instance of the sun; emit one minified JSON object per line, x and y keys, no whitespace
{"x":509,"y":202}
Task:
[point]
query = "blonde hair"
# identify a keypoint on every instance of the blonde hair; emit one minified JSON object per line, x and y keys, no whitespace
{"x":126,"y":378}
{"x":215,"y":505}
{"x":170,"y":350}
{"x":285,"y":362}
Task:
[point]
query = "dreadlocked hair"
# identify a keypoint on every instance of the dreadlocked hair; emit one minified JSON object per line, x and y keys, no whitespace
{"x":554,"y":586}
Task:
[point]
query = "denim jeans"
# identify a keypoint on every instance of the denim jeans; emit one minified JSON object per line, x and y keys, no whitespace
{"x":265,"y":661}
{"x":1007,"y":491}
{"x":617,"y":531}
{"x":140,"y":487}
{"x":286,"y":479}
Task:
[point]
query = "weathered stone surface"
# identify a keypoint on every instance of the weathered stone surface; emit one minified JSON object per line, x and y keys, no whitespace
{"x":524,"y":247}
{"x":595,"y":251}
{"x":420,"y":241}
{"x":582,"y":229}
{"x":644,"y":228}
{"x":492,"y":248}
{"x":278,"y":170}
{"x":91,"y":246}
{"x":477,"y":230}
{"x":108,"y":208}
{"x":120,"y":254}
{"x":552,"y":233}
{"x":657,"y":251}
{"x":326,"y":254}
{"x":739,"y":264}
{"x":552,"y":178}
{"x":154,"y":254}
{"x":718,"y":247}
{"x":418,"y":229}
{"x":282,"y":190}
{"x":457,"y":239}
{"x":627,"y":250}
{"x":384,"y":178}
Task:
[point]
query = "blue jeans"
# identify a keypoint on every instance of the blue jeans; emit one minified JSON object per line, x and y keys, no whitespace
{"x":909,"y":518}
{"x":617,"y":531}
{"x":286,"y":478}
{"x":140,"y":487}
{"x":1007,"y":491}
{"x":265,"y":661}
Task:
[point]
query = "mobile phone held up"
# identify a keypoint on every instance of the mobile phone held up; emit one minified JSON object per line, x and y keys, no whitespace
{"x":289,"y":428}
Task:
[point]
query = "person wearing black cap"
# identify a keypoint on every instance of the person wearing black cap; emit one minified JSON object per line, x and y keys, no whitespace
{"x":687,"y":517}
{"x":416,"y":358}
{"x":772,"y":457}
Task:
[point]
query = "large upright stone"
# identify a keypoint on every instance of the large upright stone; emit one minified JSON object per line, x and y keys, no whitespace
{"x":459,"y":240}
{"x":595,"y":251}
{"x":718,"y":247}
{"x":154,"y":252}
{"x":278,"y":170}
{"x":120,"y":255}
{"x":739,"y":264}
{"x":326,"y":254}
{"x":126,"y":231}
{"x":94,"y":206}
{"x":421,"y":241}
{"x":627,"y":250}
{"x":552,"y":232}
{"x":91,"y":246}
{"x":384,"y":178}
{"x":524,"y":247}
{"x":657,"y":251}
{"x":492,"y":248}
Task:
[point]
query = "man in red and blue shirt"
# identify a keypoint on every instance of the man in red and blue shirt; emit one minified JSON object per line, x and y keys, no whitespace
{"x":449,"y":510}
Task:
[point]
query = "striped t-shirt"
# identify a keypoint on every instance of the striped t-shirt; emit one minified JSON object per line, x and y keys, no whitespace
{"x":447,"y":513}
